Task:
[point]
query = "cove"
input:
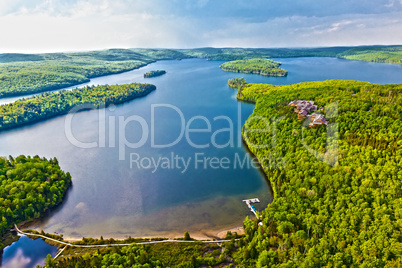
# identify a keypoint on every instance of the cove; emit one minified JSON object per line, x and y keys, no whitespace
{"x":112,"y":199}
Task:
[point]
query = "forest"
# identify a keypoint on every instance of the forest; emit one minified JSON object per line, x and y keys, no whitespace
{"x":158,"y":255}
{"x":47,"y":105}
{"x":29,"y":187}
{"x":33,"y":73}
{"x":387,"y":54}
{"x":154,"y":73}
{"x":254,"y":66}
{"x":338,"y":198}
{"x":33,"y":77}
{"x":184,"y":254}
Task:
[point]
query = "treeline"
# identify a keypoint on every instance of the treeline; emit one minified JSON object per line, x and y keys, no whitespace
{"x":22,"y":74}
{"x":33,"y":77}
{"x":338,"y":196}
{"x":48,"y":105}
{"x":29,"y":186}
{"x":32,"y":73}
{"x":254,"y":66}
{"x":154,"y":73}
{"x":391,"y":54}
{"x":156,"y":255}
{"x":229,"y":54}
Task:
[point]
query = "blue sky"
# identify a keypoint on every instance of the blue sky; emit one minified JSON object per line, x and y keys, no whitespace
{"x":70,"y":25}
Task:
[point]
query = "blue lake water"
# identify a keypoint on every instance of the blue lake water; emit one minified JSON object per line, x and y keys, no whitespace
{"x":118,"y":191}
{"x":26,"y":253}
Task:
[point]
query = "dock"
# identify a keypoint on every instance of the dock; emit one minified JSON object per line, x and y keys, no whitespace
{"x":249,"y":203}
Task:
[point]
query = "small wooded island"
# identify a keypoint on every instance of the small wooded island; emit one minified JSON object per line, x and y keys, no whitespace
{"x":254,"y":66}
{"x":26,"y":111}
{"x":154,"y":73}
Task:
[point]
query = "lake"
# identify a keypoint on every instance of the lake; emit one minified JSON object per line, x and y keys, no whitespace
{"x":26,"y":252}
{"x":190,"y":124}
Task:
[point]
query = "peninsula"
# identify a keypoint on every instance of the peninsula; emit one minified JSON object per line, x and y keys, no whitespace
{"x":41,"y":107}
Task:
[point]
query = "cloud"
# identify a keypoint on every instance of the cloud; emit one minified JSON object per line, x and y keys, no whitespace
{"x":18,"y":260}
{"x":56,"y":25}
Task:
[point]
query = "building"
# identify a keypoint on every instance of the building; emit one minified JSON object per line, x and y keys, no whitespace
{"x":303,"y":107}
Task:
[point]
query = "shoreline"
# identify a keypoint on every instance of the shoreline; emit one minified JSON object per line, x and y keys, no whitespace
{"x":59,"y":87}
{"x":203,"y":235}
{"x":63,"y":113}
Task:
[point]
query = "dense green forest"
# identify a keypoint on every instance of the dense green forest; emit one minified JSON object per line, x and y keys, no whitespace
{"x":254,"y":66}
{"x":391,"y":54}
{"x":229,"y":54}
{"x":329,"y":210}
{"x":167,"y":254}
{"x":156,"y":255}
{"x":29,"y":187}
{"x":48,"y":105}
{"x":32,"y":73}
{"x":154,"y":73}
{"x":338,"y":190}
{"x":39,"y":76}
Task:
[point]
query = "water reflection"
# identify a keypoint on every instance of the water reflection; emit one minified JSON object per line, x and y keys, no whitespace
{"x":26,"y":253}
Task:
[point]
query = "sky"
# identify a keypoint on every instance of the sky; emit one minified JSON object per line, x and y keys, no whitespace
{"x":34,"y":26}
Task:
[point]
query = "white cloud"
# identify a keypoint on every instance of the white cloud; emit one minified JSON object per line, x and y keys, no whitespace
{"x":311,"y":31}
{"x":55,"y":25}
{"x":18,"y":260}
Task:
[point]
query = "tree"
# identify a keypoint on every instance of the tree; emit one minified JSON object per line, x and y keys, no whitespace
{"x":187,"y":236}
{"x":49,"y":262}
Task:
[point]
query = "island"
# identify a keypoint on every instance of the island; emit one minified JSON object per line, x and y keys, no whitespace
{"x":29,"y":187}
{"x":154,"y":73}
{"x":22,"y":74}
{"x":41,"y":107}
{"x":254,"y":66}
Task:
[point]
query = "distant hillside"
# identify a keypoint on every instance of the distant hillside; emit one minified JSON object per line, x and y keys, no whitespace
{"x":22,"y":74}
{"x":388,"y":54}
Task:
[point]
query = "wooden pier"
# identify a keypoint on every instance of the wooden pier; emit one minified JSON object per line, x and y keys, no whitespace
{"x":249,"y":203}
